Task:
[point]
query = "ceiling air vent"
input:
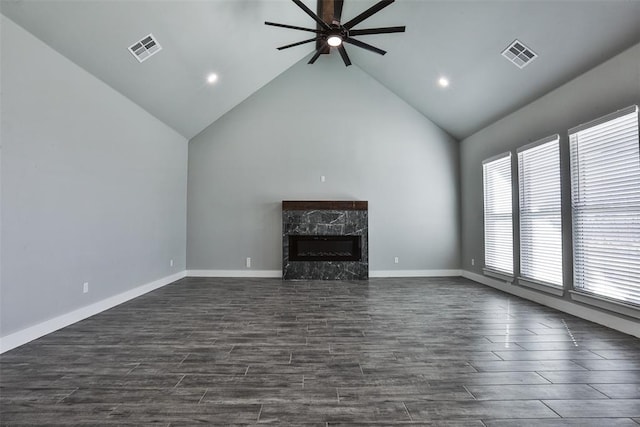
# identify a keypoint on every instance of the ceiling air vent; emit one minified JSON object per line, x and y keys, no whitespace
{"x":519,"y":54}
{"x":145,"y":48}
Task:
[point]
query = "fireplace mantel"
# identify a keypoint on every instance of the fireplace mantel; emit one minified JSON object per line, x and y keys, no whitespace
{"x":317,"y":205}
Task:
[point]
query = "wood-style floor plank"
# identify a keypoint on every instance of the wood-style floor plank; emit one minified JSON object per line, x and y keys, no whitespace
{"x":411,"y":351}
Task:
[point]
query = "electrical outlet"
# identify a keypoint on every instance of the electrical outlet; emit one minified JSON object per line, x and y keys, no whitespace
{"x":473,"y":261}
{"x":396,"y":260}
{"x":171,"y":263}
{"x":322,"y":178}
{"x":85,"y":287}
{"x":248,"y":262}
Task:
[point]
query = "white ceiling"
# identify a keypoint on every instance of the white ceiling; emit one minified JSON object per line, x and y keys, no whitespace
{"x":460,"y":39}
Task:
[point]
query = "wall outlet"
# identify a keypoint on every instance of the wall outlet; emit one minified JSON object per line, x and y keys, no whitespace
{"x":322,"y":178}
{"x":396,"y":260}
{"x":171,"y":263}
{"x":248,"y":262}
{"x":85,"y":287}
{"x":473,"y":261}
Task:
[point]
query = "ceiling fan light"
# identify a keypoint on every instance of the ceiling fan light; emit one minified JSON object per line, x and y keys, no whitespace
{"x":334,"y":41}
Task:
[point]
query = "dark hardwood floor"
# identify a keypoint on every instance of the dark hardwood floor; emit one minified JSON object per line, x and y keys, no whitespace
{"x":443,"y":351}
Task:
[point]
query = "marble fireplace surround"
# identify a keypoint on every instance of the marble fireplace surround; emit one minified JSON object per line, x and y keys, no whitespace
{"x":325,"y":218}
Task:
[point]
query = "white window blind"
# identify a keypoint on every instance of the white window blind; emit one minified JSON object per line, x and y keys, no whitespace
{"x":498,"y":211}
{"x":605,"y":185}
{"x":540,"y":211}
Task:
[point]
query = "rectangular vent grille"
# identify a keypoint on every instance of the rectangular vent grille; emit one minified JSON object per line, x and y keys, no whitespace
{"x":145,"y":48}
{"x":519,"y":54}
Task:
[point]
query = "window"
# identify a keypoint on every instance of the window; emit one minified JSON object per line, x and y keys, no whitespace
{"x":605,"y":201}
{"x":540,"y":212}
{"x":498,"y":221}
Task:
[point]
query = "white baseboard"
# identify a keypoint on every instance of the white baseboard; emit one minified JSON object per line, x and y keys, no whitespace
{"x":31,"y":333}
{"x":415,"y":273}
{"x":605,"y":319}
{"x":235,"y":273}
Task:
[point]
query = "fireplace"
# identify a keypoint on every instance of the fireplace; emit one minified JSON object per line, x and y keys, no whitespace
{"x":324,"y":248}
{"x":325,"y":240}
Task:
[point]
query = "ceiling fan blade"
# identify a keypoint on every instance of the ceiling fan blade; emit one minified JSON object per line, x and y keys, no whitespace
{"x":311,"y":14}
{"x":315,"y":56}
{"x":364,"y":45}
{"x":377,"y":31}
{"x":337,"y":10}
{"x":343,"y":53}
{"x":299,"y":43}
{"x":367,"y":13}
{"x":293,"y":27}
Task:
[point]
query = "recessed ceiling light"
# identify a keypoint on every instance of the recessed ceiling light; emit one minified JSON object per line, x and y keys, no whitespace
{"x":443,"y":82}
{"x":212,"y":78}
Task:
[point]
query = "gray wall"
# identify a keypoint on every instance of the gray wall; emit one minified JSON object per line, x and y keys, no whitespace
{"x":315,"y":120}
{"x":612,"y":85}
{"x":93,"y":187}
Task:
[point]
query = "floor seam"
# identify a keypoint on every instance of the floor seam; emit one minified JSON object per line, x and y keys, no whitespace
{"x":407,"y":410}
{"x":545,"y":404}
{"x":259,"y":413}
{"x":183,"y":359}
{"x":179,"y":381}
{"x":203,"y":395}
{"x":67,"y":395}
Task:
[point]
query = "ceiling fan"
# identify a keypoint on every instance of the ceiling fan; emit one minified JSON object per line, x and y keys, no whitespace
{"x":331,"y":32}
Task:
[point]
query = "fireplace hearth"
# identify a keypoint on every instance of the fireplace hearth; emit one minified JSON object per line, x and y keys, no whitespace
{"x":325,"y":240}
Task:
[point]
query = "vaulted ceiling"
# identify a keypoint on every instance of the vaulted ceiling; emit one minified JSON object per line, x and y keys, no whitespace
{"x":461,"y":40}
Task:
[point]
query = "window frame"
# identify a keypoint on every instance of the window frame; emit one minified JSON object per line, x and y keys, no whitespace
{"x":490,"y":270}
{"x":555,"y":211}
{"x":578,"y":292}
